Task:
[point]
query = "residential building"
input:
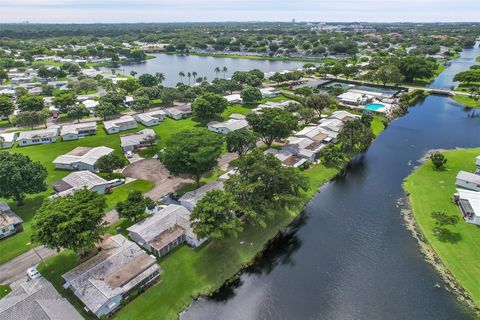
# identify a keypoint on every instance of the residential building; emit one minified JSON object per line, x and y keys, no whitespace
{"x":165,"y":229}
{"x":287,"y":157}
{"x":269,"y":92}
{"x":150,"y":118}
{"x":103,"y":282}
{"x":81,"y":158}
{"x":468,"y":180}
{"x":331,"y":124}
{"x":179,"y":110}
{"x":190,"y":199}
{"x":80,"y":180}
{"x":305,"y":147}
{"x":90,"y":105}
{"x":343,"y":115}
{"x":43,"y":136}
{"x":317,"y":133}
{"x":121,"y":124}
{"x":7,"y":139}
{"x":234,"y":98}
{"x":354,"y":99}
{"x":10,"y":223}
{"x":134,"y":141}
{"x":77,"y":130}
{"x":230,"y":125}
{"x":36,"y":299}
{"x":469,"y":203}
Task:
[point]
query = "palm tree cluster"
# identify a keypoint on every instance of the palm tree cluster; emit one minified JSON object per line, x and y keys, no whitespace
{"x":217,"y":70}
{"x":189,"y":75}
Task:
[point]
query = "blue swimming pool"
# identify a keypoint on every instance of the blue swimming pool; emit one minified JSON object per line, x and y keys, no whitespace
{"x":374,"y":106}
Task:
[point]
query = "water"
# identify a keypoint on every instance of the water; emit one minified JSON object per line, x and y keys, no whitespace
{"x":351,"y":257}
{"x":171,"y":65}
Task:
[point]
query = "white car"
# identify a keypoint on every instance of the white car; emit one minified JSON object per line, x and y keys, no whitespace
{"x":129,"y":154}
{"x":116,"y":182}
{"x":32,"y":273}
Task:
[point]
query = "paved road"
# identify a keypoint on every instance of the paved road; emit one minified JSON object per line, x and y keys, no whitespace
{"x":13,"y":270}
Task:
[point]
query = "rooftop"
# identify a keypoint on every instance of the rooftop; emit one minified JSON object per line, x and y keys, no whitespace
{"x":78,"y":180}
{"x":83,"y":154}
{"x":470,"y":177}
{"x":136,"y":138}
{"x":39,"y":134}
{"x":7,"y":216}
{"x":74,"y":128}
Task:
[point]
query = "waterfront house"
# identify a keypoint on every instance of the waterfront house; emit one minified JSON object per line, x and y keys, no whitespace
{"x":468,"y":180}
{"x":167,"y":228}
{"x":81,"y":158}
{"x":343,"y":115}
{"x":81,"y":180}
{"x":287,"y":157}
{"x":354,"y":99}
{"x":179,"y":110}
{"x":43,"y":136}
{"x":134,"y":141}
{"x":317,"y":133}
{"x":7,"y":139}
{"x":190,"y":199}
{"x":331,"y":124}
{"x":77,"y":130}
{"x":469,"y":203}
{"x":10,"y":223}
{"x":36,"y":299}
{"x":150,"y":118}
{"x":305,"y":147}
{"x":104,"y":281}
{"x":120,"y":124}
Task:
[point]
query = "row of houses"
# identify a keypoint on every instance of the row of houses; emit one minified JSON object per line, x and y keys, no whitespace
{"x":467,"y":196}
{"x":267,"y":92}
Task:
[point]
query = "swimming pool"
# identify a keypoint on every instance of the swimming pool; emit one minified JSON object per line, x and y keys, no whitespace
{"x":374,"y":106}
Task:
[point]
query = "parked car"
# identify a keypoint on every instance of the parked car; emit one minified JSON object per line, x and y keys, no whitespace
{"x":129,"y":154}
{"x":116,"y":182}
{"x":32,"y":273}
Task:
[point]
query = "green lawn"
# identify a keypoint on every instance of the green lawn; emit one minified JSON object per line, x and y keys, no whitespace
{"x":477,"y":59}
{"x":4,"y":290}
{"x":467,"y":101}
{"x":121,"y":193}
{"x":377,"y":125}
{"x":209,"y":177}
{"x":431,"y":190}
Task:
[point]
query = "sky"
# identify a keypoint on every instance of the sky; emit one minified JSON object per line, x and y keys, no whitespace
{"x":111,"y":11}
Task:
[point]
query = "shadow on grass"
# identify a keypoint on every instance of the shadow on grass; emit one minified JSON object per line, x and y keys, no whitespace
{"x":445,"y":235}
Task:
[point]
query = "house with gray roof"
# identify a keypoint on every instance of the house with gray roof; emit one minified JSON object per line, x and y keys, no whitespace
{"x":150,"y":118}
{"x":7,"y":139}
{"x":81,"y":158}
{"x":167,"y":228}
{"x":103,"y":282}
{"x":77,"y":130}
{"x":179,"y":110}
{"x":134,"y":141}
{"x":467,"y":180}
{"x":10,"y":223}
{"x":230,"y":125}
{"x":120,"y":124}
{"x":80,"y":180}
{"x":36,"y":299}
{"x":26,"y":138}
{"x":190,"y":199}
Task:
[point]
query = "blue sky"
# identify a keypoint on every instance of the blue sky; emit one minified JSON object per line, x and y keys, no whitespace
{"x":88,"y":11}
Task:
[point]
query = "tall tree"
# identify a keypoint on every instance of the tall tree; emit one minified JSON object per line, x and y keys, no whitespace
{"x":135,"y":205}
{"x":148,"y":80}
{"x":110,"y":162}
{"x":78,"y":111}
{"x":72,"y":222}
{"x":224,"y":70}
{"x":30,"y":102}
{"x":30,"y":118}
{"x":355,"y":137}
{"x":7,"y":107}
{"x":160,"y":77}
{"x":141,"y":104}
{"x":319,"y":102}
{"x":64,"y":100}
{"x":251,"y":95}
{"x":216,"y":70}
{"x":413,"y":67}
{"x":106,"y":109}
{"x":182,"y":75}
{"x":241,"y":141}
{"x":20,"y":176}
{"x":272,"y":123}
{"x":208,"y":105}
{"x":389,"y":74}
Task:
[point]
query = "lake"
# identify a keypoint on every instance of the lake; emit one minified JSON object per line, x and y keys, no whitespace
{"x":350,"y":257}
{"x":171,"y":65}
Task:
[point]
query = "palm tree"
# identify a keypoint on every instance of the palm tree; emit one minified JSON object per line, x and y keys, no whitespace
{"x":160,"y":77}
{"x":181,"y":74}
{"x":205,"y":78}
{"x":224,"y":70}
{"x":133,"y":73}
{"x":189,"y":75}
{"x":216,"y":70}
{"x":194,"y":74}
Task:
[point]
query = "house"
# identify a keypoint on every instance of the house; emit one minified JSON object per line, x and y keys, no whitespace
{"x":227,"y":126}
{"x":331,"y":124}
{"x":103,"y":282}
{"x":26,"y":138}
{"x":128,"y":101}
{"x":81,"y":158}
{"x":478,"y":165}
{"x":77,"y":130}
{"x":305,"y":147}
{"x":36,"y":299}
{"x":272,"y":104}
{"x":190,"y":199}
{"x":10,"y":223}
{"x":317,"y":133}
{"x":120,"y":124}
{"x":467,"y":180}
{"x":150,"y":118}
{"x":287,"y":157}
{"x":179,"y":110}
{"x":354,"y":99}
{"x":269,"y":92}
{"x":133,"y":141}
{"x":469,"y":203}
{"x":164,"y":230}
{"x":90,"y":105}
{"x":234,"y":98}
{"x":343,"y":115}
{"x":79,"y":180}
{"x":7,"y":139}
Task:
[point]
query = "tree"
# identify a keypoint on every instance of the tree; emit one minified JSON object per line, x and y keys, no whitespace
{"x":216,"y":70}
{"x":189,"y":76}
{"x":106,"y":109}
{"x":85,"y":85}
{"x":241,"y":141}
{"x":389,"y":74}
{"x":30,"y":102}
{"x":64,"y":100}
{"x":468,"y":76}
{"x":214,"y":216}
{"x":251,"y":95}
{"x":438,"y":160}
{"x":141,"y":104}
{"x":133,"y":73}
{"x":110,"y":162}
{"x":306,"y":114}
{"x":20,"y":176}
{"x":208,"y":105}
{"x":148,"y":80}
{"x":413,"y":67}
{"x":224,"y":70}
{"x":263,"y":187}
{"x":72,"y":222}
{"x":129,"y":85}
{"x":332,"y":156}
{"x":7,"y":107}
{"x":113,"y":97}
{"x":182,"y":75}
{"x":318,"y":102}
{"x":135,"y":206}
{"x":3,"y":75}
{"x":272,"y":123}
{"x":192,"y":152}
{"x":30,"y":118}
{"x":78,"y":111}
{"x":355,"y":137}
{"x":160,"y":77}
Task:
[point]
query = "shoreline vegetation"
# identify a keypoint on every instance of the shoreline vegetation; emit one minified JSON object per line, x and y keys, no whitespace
{"x":467,"y":101}
{"x":457,"y":262}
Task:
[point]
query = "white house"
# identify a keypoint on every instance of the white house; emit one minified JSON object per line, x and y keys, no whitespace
{"x":7,"y":139}
{"x":105,"y":280}
{"x":305,"y":147}
{"x":468,"y":180}
{"x":133,"y":141}
{"x":120,"y":124}
{"x":77,"y":130}
{"x":317,"y":134}
{"x":26,"y":138}
{"x":354,"y":99}
{"x":164,"y":230}
{"x":287,"y":157}
{"x":150,"y":118}
{"x":81,"y":158}
{"x":227,"y":126}
{"x":269,"y":92}
{"x":469,"y":203}
{"x":331,"y":124}
{"x":10,"y":223}
{"x":234,"y":98}
{"x":179,"y":110}
{"x":190,"y":199}
{"x":90,"y":105}
{"x":80,"y":180}
{"x":343,"y":115}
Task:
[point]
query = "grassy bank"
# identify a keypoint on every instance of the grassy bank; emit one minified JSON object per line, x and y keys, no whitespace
{"x":425,"y":81}
{"x":466,"y":101}
{"x":237,"y":56}
{"x":4,"y":290}
{"x":432,"y":190}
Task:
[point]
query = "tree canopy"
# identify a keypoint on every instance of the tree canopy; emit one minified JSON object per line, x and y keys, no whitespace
{"x":208,"y":105}
{"x":110,"y":162}
{"x":272,"y":123}
{"x":251,"y":95}
{"x":241,"y":141}
{"x":135,"y":205}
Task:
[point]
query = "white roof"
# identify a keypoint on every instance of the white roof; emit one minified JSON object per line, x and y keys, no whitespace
{"x":287,"y":156}
{"x":136,"y":138}
{"x":342,"y":115}
{"x":331,"y":124}
{"x":151,"y":115}
{"x":470,"y":177}
{"x":8,"y":136}
{"x":90,"y":104}
{"x":84,"y":178}
{"x":117,"y":122}
{"x":233,"y":97}
{"x":74,"y":128}
{"x":231,"y":124}
{"x":78,"y":155}
{"x":473,"y":198}
{"x":38,"y":134}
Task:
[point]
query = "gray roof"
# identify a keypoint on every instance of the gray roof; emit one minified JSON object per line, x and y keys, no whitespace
{"x":36,"y":299}
{"x":117,"y":122}
{"x":7,"y":216}
{"x":74,"y":128}
{"x":137,"y":138}
{"x":78,"y":180}
{"x":196,"y":195}
{"x":85,"y":155}
{"x":469,"y":177}
{"x":39,"y":134}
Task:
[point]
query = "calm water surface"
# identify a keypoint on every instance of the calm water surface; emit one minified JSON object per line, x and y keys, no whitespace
{"x":350,"y":257}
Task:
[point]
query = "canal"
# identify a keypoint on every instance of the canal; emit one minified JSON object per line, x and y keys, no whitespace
{"x":350,"y":256}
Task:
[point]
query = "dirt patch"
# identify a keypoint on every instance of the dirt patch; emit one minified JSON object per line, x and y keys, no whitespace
{"x":79,"y":151}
